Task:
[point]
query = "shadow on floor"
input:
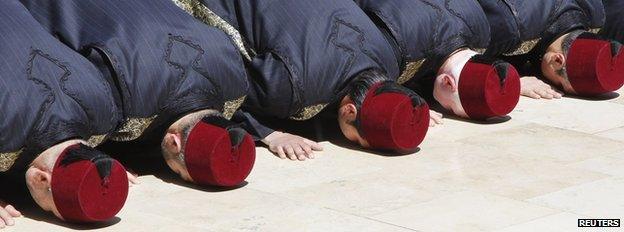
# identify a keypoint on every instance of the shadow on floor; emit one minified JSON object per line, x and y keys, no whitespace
{"x":325,"y":129}
{"x":603,"y":97}
{"x":19,"y":197}
{"x":144,"y":158}
{"x":489,"y":121}
{"x":39,"y":215}
{"x":352,"y":146}
{"x":451,"y":116}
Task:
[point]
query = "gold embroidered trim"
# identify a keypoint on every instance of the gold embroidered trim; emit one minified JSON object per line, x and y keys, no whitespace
{"x":525,"y":47}
{"x":595,"y":30}
{"x":8,"y":159}
{"x":231,"y":106}
{"x":96,"y":140}
{"x":411,"y":68}
{"x":308,"y":112}
{"x":480,"y":50}
{"x":203,"y":13}
{"x":132,"y":129}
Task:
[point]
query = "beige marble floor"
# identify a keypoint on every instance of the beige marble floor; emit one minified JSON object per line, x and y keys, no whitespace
{"x":551,"y":164}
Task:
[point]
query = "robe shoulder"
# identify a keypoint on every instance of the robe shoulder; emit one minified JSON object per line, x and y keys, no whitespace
{"x":313,"y":48}
{"x":164,"y":63}
{"x":48,"y":92}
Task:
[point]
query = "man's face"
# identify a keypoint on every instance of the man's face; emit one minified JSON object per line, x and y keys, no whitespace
{"x":38,"y":183}
{"x":179,"y":168}
{"x":351,"y":132}
{"x":451,"y":103}
{"x":173,"y":153}
{"x":39,"y":176}
{"x":553,"y":69}
{"x":446,"y":92}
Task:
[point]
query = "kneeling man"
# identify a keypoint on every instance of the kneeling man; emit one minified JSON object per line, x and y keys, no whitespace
{"x":434,"y":43}
{"x":53,"y":103}
{"x":174,"y":78}
{"x":551,"y":39}
{"x":312,"y":55}
{"x":614,"y":24}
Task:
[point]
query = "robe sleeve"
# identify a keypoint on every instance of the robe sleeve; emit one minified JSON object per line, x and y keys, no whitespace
{"x":251,"y":125}
{"x":614,"y":27}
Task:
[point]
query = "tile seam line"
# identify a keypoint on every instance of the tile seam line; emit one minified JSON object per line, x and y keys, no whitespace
{"x":372,"y":219}
{"x":562,"y":211}
{"x":602,"y":131}
{"x":339,"y":211}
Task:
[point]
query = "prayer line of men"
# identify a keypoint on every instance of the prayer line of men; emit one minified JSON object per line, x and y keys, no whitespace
{"x":195,"y":75}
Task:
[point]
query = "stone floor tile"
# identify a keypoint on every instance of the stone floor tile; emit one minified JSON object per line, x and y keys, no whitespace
{"x":454,"y":129}
{"x":546,"y":142}
{"x":592,"y":117}
{"x":611,"y":164}
{"x":561,"y":222}
{"x":370,"y":194}
{"x":615,"y":134}
{"x":273,"y":175}
{"x":252,"y":210}
{"x":518,"y":177}
{"x":465,"y":211}
{"x":598,"y":199}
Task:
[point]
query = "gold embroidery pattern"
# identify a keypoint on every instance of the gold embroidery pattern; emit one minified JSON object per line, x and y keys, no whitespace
{"x":8,"y":159}
{"x":204,"y":14}
{"x":480,"y":50}
{"x":231,"y":106}
{"x":595,"y":30}
{"x":308,"y":112}
{"x":525,"y":47}
{"x":411,"y":68}
{"x":132,"y":129}
{"x":96,"y":140}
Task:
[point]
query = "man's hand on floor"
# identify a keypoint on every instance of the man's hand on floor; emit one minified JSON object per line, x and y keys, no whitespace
{"x":7,"y":213}
{"x":537,"y":89}
{"x":132,"y":178}
{"x":435,"y":118}
{"x":290,"y":146}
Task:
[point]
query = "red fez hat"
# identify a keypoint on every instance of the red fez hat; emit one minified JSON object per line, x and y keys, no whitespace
{"x":88,"y":185}
{"x":595,"y":66}
{"x":219,"y":153}
{"x":488,"y":88}
{"x":393,"y":118}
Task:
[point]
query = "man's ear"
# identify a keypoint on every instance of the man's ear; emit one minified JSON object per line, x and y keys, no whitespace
{"x":556,"y":60}
{"x":38,"y":179}
{"x":559,"y":61}
{"x":448,"y":82}
{"x":348,"y":112}
{"x":173,"y":142}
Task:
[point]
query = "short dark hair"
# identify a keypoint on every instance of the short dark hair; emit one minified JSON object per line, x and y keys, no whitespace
{"x":566,"y":44}
{"x":365,"y":82}
{"x":569,"y":39}
{"x":186,"y":130}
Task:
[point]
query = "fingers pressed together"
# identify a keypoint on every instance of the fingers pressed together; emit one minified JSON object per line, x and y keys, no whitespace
{"x":7,"y":213}
{"x":133,"y":179}
{"x":537,"y":89}
{"x":289,"y":146}
{"x":435,"y":118}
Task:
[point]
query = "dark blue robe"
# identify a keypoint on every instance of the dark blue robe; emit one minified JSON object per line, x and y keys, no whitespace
{"x":614,"y":25}
{"x":307,"y":52}
{"x":164,"y":63}
{"x":48,"y":92}
{"x":425,"y":32}
{"x":521,"y":27}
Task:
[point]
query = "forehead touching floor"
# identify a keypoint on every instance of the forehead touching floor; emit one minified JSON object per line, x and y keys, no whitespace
{"x":551,"y":164}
